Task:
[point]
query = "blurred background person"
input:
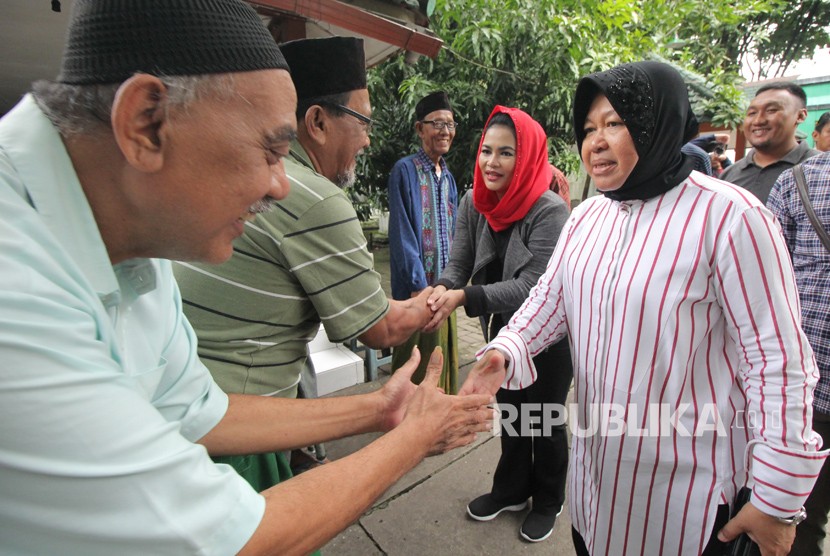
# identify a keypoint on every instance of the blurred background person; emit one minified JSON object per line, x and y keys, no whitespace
{"x":821,"y":134}
{"x":811,"y":262}
{"x":770,"y":126}
{"x":423,"y":199}
{"x":702,"y":162}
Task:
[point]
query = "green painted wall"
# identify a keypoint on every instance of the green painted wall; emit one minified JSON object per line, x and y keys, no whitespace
{"x":818,"y":102}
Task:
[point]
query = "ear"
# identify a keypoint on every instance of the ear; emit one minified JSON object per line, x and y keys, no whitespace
{"x":137,"y":120}
{"x":317,"y":124}
{"x":802,"y":115}
{"x":420,"y":131}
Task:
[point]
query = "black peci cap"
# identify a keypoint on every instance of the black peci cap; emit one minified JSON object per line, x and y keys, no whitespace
{"x":432,"y":102}
{"x":110,"y":40}
{"x":329,"y":66}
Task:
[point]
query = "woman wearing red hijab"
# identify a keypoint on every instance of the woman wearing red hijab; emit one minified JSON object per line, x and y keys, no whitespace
{"x":506,"y":230}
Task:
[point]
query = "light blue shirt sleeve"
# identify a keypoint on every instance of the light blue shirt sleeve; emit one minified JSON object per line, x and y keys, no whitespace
{"x":102,"y":395}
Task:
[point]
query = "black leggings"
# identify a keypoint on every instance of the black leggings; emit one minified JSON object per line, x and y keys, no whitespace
{"x":536,"y":466}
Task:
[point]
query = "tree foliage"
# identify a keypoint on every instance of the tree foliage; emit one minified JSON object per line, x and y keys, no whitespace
{"x":530,"y":54}
{"x":762,"y":36}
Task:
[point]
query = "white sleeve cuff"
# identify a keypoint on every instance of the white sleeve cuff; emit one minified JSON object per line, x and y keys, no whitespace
{"x":521,"y":372}
{"x":783,"y":477}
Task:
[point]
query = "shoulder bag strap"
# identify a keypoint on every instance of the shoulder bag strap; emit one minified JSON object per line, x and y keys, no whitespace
{"x":801,"y":182}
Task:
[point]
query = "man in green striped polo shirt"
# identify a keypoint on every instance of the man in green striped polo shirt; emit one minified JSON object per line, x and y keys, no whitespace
{"x":304,"y":262}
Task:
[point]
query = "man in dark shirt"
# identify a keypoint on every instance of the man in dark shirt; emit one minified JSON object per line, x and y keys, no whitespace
{"x":769,"y":126}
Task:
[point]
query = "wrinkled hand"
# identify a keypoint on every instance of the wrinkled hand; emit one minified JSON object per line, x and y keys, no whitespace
{"x":486,"y":376}
{"x":448,"y":421}
{"x":773,"y":537}
{"x":442,"y":306}
{"x":397,"y":392}
{"x":420,"y":302}
{"x":427,"y":291}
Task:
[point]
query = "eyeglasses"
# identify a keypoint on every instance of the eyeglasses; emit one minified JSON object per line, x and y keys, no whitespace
{"x":439,"y":125}
{"x":365,"y":120}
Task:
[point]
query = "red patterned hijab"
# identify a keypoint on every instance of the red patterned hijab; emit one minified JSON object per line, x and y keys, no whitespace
{"x":531,"y":175}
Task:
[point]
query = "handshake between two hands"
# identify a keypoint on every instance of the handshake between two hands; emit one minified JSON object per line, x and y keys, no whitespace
{"x":453,"y":420}
{"x":438,"y":304}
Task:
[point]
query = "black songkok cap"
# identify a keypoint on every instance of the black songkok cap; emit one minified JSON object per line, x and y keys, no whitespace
{"x":109,"y":41}
{"x":432,"y":102}
{"x":330,"y":66}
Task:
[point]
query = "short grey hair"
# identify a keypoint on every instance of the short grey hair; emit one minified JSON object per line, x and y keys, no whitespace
{"x":85,"y":109}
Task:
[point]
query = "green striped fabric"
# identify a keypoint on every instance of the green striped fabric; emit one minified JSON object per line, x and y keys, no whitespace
{"x":302,"y":263}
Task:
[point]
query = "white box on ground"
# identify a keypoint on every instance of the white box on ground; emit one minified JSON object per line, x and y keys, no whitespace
{"x":336,"y":366}
{"x":320,"y":342}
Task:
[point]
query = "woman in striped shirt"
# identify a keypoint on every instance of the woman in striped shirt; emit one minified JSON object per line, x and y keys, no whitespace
{"x":692,"y":375}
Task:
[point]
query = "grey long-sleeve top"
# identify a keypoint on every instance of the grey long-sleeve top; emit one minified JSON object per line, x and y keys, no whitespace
{"x":531,"y":243}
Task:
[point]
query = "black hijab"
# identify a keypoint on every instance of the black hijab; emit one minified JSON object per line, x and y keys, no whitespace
{"x":652,"y":100}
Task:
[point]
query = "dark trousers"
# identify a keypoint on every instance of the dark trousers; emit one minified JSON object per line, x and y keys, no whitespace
{"x":809,"y":535}
{"x":536,"y":466}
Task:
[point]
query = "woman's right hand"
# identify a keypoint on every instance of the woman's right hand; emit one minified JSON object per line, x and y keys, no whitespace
{"x":443,"y":306}
{"x":437,"y":292}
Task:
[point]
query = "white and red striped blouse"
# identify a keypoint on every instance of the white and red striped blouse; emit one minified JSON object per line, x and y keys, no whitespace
{"x":684,"y":323}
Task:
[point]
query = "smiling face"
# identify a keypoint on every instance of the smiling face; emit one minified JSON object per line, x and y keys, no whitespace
{"x":436,"y":142}
{"x":771,"y":121}
{"x":497,"y":158}
{"x":224,"y":155}
{"x":349,"y":136}
{"x":608,"y":150}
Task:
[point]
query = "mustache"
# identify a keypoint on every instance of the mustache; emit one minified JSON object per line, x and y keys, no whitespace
{"x":266,"y":204}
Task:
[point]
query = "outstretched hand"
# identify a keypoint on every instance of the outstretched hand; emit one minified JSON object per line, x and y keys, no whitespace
{"x":772,"y":537}
{"x":486,"y":376}
{"x":449,"y":421}
{"x":446,"y":421}
{"x":398,"y":391}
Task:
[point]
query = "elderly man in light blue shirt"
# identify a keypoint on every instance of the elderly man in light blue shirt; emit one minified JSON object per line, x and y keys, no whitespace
{"x":105,"y":365}
{"x":107,"y":414}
